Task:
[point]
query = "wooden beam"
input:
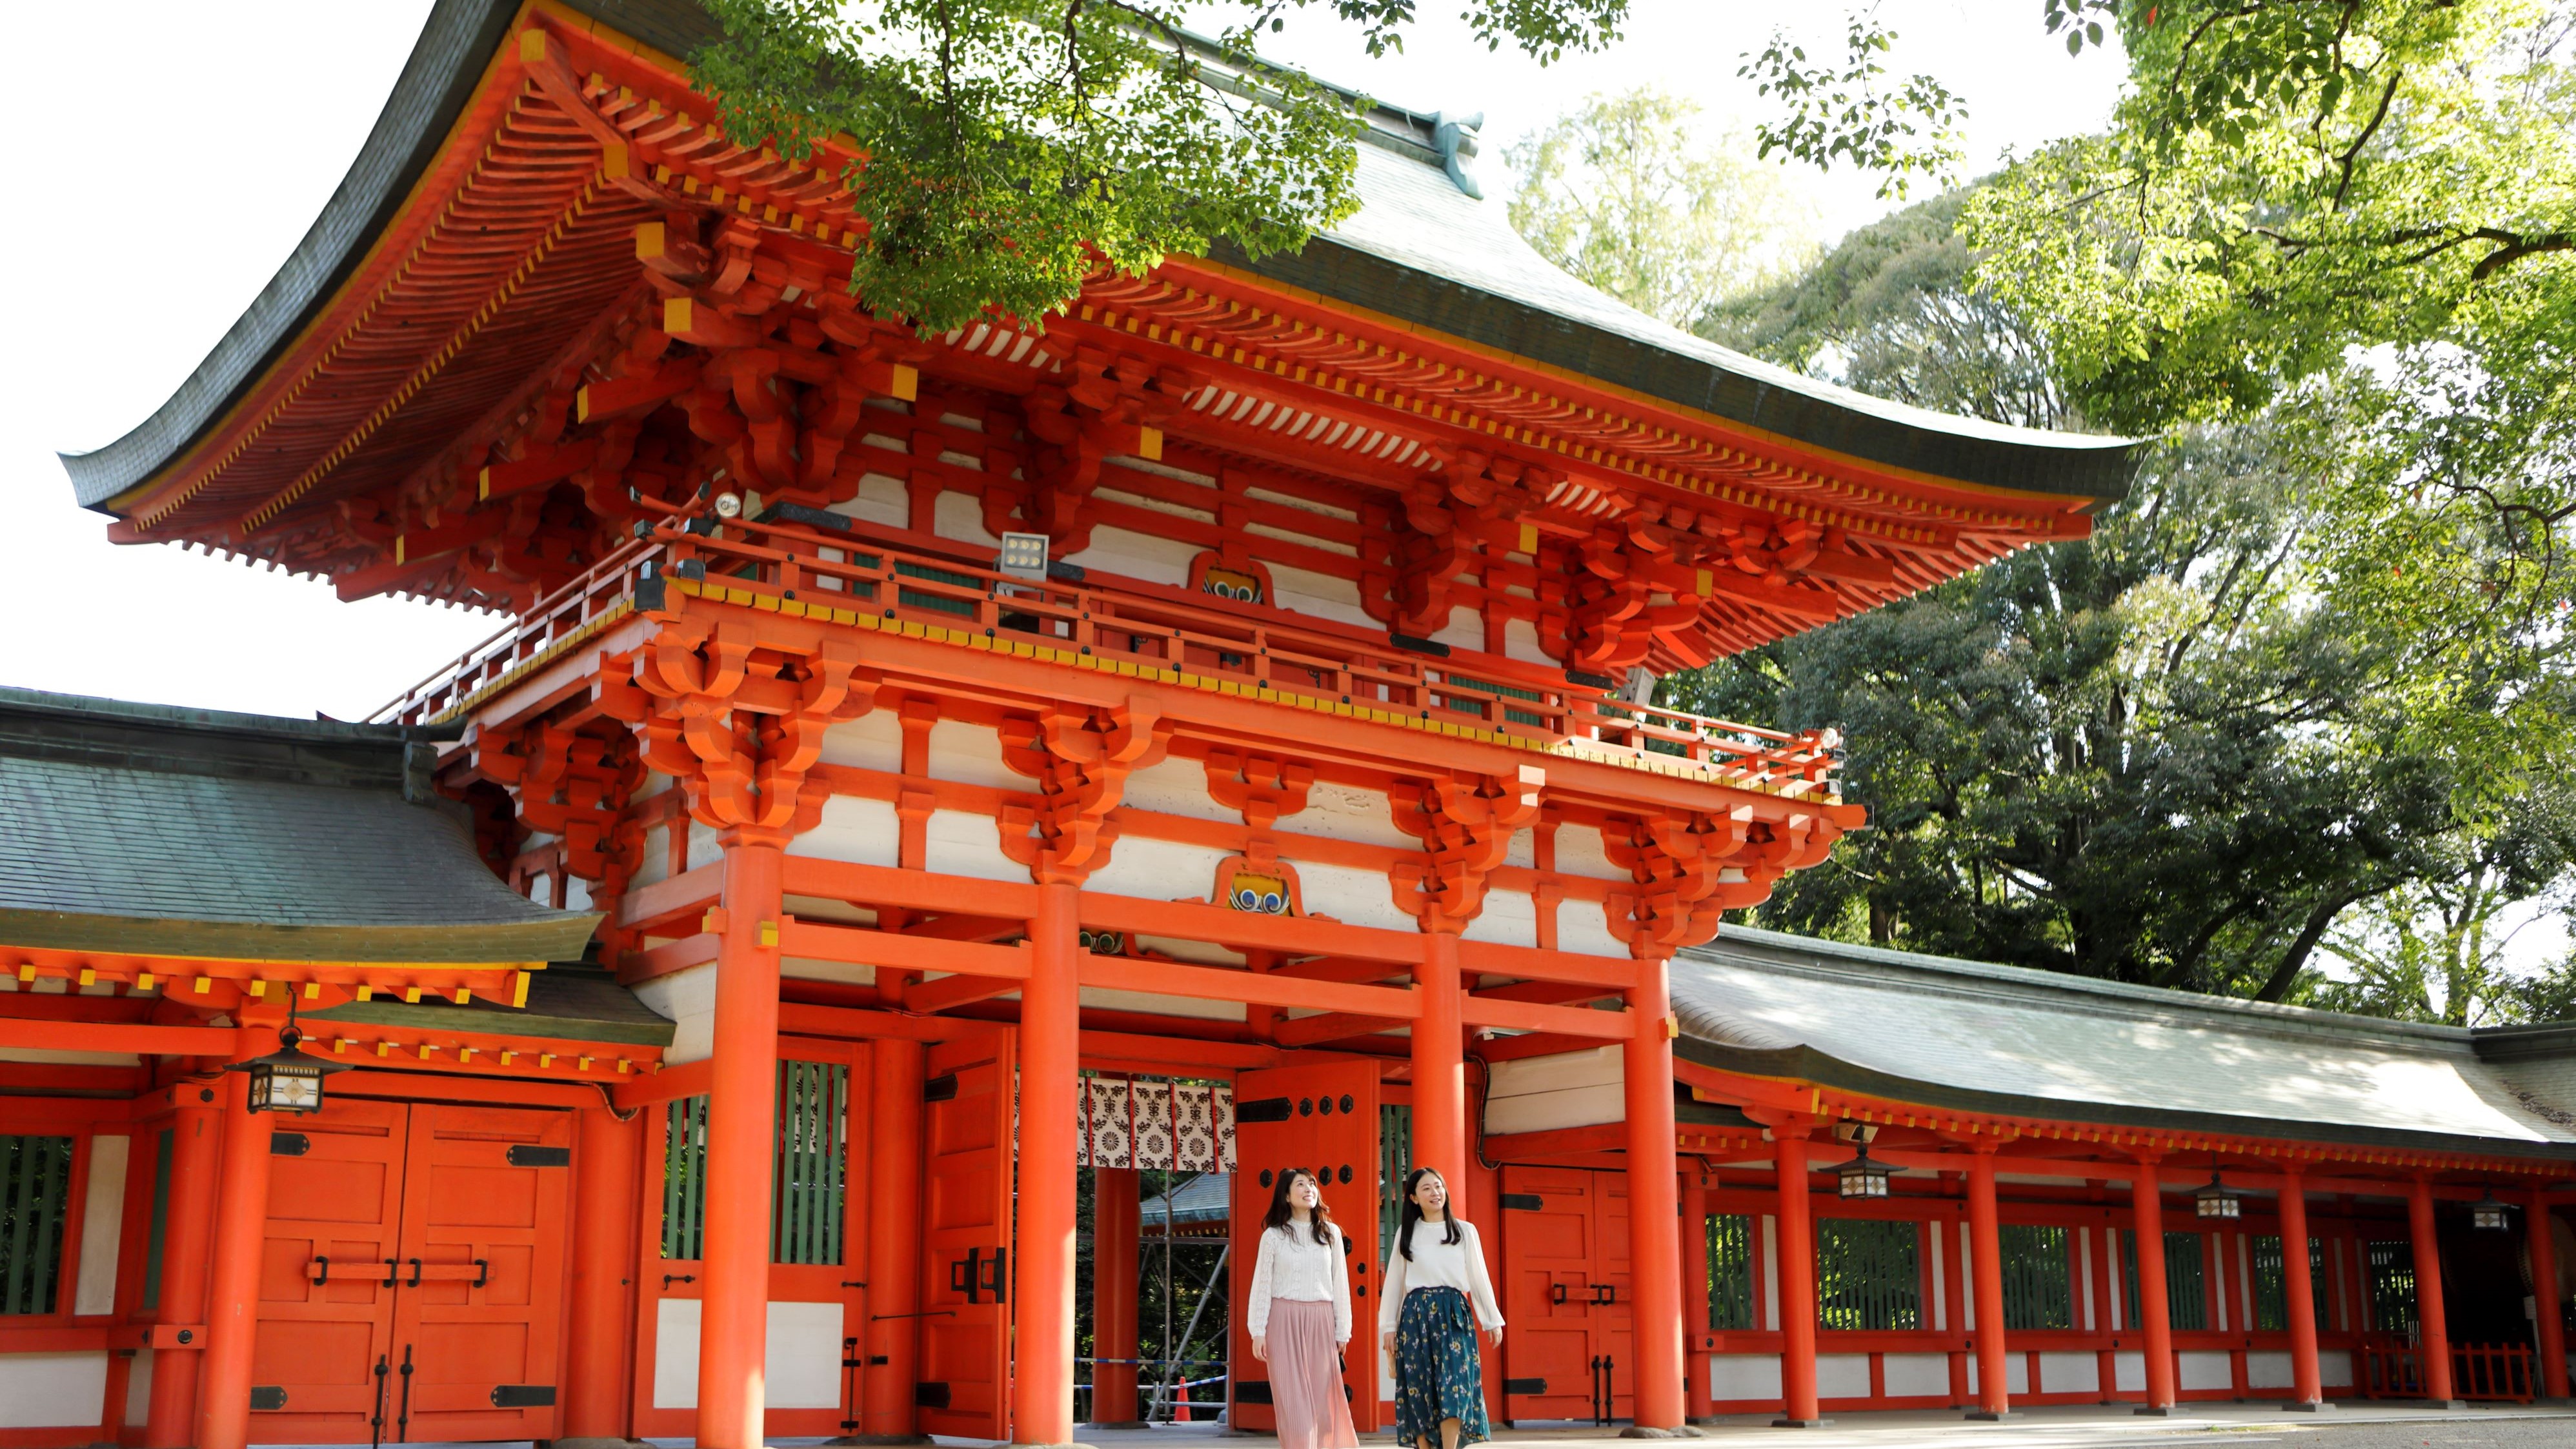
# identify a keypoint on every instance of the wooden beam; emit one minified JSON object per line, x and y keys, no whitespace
{"x":851,"y":1023}
{"x":1252,"y":988}
{"x":948,"y":991}
{"x":1563,"y":1020}
{"x":1535,"y":1044}
{"x":652,"y":905}
{"x":17,"y":1033}
{"x":1293,"y":935}
{"x":1489,"y":958}
{"x":1302,"y":1031}
{"x":919,"y":890}
{"x":816,"y":941}
{"x":636,"y":967}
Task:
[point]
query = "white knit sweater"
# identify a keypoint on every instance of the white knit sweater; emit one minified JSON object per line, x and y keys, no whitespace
{"x":1437,"y":1264}
{"x":1292,"y":1265}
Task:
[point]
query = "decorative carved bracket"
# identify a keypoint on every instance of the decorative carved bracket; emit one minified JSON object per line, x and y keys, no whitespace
{"x":1690,"y":868}
{"x":739,"y":734}
{"x":1080,"y":759}
{"x":1465,"y":823}
{"x":1258,"y":787}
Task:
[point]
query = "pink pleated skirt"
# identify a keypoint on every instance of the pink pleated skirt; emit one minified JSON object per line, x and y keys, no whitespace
{"x":1306,"y":1378}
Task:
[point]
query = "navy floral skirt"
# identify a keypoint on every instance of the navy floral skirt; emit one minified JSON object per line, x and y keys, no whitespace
{"x":1438,"y":1374}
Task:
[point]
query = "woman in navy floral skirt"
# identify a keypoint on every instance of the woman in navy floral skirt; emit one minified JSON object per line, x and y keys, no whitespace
{"x":1435,"y":1280}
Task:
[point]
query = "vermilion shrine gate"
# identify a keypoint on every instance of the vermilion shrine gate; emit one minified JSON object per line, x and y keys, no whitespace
{"x":738,"y":955}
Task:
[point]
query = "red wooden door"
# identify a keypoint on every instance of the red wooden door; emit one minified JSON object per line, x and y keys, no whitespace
{"x":1614,"y":1319}
{"x":325,"y":1289}
{"x":1323,"y":1119}
{"x":1551,"y":1252}
{"x":476,"y":1318}
{"x":967,"y":1171}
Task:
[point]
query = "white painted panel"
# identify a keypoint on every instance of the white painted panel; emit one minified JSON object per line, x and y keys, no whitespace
{"x":1733,"y":1376}
{"x":972,"y":754}
{"x":1349,"y":894}
{"x":959,"y":516}
{"x":1109,"y":1000}
{"x":1524,"y":849}
{"x":2084,"y":1270}
{"x":1770,"y":1273}
{"x":1578,"y":852}
{"x":688,"y":998}
{"x":2128,"y":1373}
{"x":2203,"y":1369}
{"x":576,"y":894}
{"x":873,"y":741}
{"x":52,"y":1390}
{"x":138,"y":1389}
{"x":2334,"y":1369}
{"x":653,"y":866}
{"x":1176,"y":786}
{"x":1321,"y":595}
{"x":802,"y":1366}
{"x":1549,"y":1111}
{"x":881,"y":500}
{"x":2016,"y":1373}
{"x":1520,"y":641}
{"x":1916,"y":1375}
{"x":2119,"y":1310}
{"x":1118,"y":552}
{"x":1569,"y":1089}
{"x":102,"y":1217}
{"x":1842,"y":1375}
{"x":1557,"y":1072}
{"x":1583,"y":928}
{"x":1161,"y":870}
{"x":2243,"y":1297}
{"x":1509,"y":918}
{"x":2269,"y":1370}
{"x":1940,"y":1275}
{"x":806,"y":968}
{"x":1465,"y":630}
{"x":1197,"y":952}
{"x":2070,"y":1373}
{"x":1967,"y":1275}
{"x":48,"y":1056}
{"x":1346,"y":812}
{"x":862,"y":831}
{"x":960,"y":842}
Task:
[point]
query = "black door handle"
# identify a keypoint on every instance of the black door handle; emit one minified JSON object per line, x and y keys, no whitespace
{"x":392,"y":1266}
{"x":402,"y":1421}
{"x":482,"y":1272}
{"x":324,"y":1264}
{"x":1559,"y":1290}
{"x":415,"y":1274}
{"x":670,"y":1278}
{"x":376,"y":1420}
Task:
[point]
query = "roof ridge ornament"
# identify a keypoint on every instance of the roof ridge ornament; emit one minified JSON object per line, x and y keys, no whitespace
{"x":1454,"y":137}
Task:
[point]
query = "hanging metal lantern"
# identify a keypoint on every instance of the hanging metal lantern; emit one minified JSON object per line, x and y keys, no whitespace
{"x":286,"y":1080}
{"x":1861,"y":1177}
{"x":2217,"y":1200}
{"x":2487,"y":1214}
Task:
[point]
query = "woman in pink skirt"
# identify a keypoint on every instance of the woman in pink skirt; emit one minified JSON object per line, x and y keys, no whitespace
{"x":1300,"y":1310}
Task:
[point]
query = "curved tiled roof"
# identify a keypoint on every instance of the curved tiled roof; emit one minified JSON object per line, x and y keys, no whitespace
{"x":1969,"y":1036}
{"x":1420,"y":250}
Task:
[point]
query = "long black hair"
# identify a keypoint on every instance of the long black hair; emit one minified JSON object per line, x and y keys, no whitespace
{"x":1413,"y":1212}
{"x":1281,"y":1214}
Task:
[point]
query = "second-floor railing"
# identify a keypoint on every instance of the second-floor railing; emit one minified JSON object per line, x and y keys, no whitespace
{"x":1150,"y":626}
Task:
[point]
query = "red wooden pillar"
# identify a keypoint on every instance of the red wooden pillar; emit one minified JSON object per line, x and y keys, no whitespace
{"x":1695,"y":1327}
{"x":2307,"y":1384}
{"x":1114,"y":1229}
{"x":1654,"y":1231}
{"x":196,"y":1150}
{"x":240,"y":1243}
{"x":1797,"y":1285}
{"x":1050,"y":1068}
{"x":596,"y":1403}
{"x":1439,"y":1064}
{"x":894,"y":1241}
{"x":1986,"y":1264}
{"x":2433,"y":1325}
{"x":742,"y":1135}
{"x":2537,"y":1218}
{"x":2152,"y":1312}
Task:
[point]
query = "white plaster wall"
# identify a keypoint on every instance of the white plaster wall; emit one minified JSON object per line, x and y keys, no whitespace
{"x":1579,"y":852}
{"x":802,"y":1368}
{"x":1520,"y":641}
{"x":1465,"y":630}
{"x":1916,"y":1375}
{"x":102,"y":1214}
{"x":861,"y":831}
{"x":1509,"y":918}
{"x":1160,"y":870}
{"x":1349,"y":894}
{"x":2084,"y":1270}
{"x":2269,"y":1370}
{"x":2070,"y":1373}
{"x":1940,"y":1293}
{"x":1733,"y":1376}
{"x":1320,"y":595}
{"x":873,"y":741}
{"x":653,"y":863}
{"x":2016,"y":1373}
{"x":1201,"y":953}
{"x":1967,"y":1261}
{"x":961,"y":516}
{"x":138,"y":1389}
{"x":2128,"y":1373}
{"x":2334,"y":1370}
{"x":1583,"y":927}
{"x":960,"y":842}
{"x":804,"y":968}
{"x":688,"y":998}
{"x":1770,"y":1274}
{"x":1842,"y":1375}
{"x":971,"y":754}
{"x":1192,"y":1006}
{"x":2203,"y":1369}
{"x":1120,"y":553}
{"x":1175,"y":786}
{"x":52,"y":1390}
{"x":1543,"y":1094}
{"x":880,"y":500}
{"x":1345,"y":812}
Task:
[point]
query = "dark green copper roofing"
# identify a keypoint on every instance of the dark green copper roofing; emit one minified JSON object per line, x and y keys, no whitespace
{"x":1969,"y":1036}
{"x":568,"y":1002}
{"x":1420,"y":251}
{"x":153,"y":831}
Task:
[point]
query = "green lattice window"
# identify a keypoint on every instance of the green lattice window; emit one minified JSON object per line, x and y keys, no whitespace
{"x":157,"y":1240}
{"x":1730,"y":1271}
{"x":2186,"y":1300}
{"x":1868,"y":1275}
{"x":1394,"y":1160}
{"x":2039,"y":1282}
{"x":2272,"y":1284}
{"x":2390,"y":1267}
{"x":806,"y":1168}
{"x":35,"y":1192}
{"x":925,"y":599}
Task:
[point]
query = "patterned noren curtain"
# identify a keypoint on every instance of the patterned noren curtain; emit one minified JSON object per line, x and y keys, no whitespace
{"x":1156,"y":1122}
